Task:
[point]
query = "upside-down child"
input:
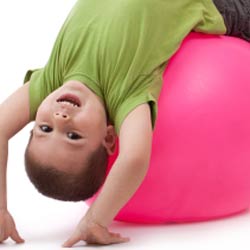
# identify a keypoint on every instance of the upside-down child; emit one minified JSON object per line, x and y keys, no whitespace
{"x":102,"y":80}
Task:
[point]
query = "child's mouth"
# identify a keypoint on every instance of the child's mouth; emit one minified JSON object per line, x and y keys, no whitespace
{"x":69,"y":98}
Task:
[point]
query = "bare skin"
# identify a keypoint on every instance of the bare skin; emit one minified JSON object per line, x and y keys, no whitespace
{"x":126,"y":175}
{"x":8,"y":227}
{"x":78,"y":130}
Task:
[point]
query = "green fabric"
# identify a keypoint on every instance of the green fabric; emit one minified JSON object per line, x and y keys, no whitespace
{"x":119,"y":49}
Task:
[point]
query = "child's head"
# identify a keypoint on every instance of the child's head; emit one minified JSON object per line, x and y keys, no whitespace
{"x":66,"y":157}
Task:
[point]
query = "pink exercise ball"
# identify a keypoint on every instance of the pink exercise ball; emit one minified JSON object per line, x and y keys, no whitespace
{"x":200,"y":162}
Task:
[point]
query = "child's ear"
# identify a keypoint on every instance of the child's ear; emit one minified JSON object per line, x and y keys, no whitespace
{"x":110,"y":140}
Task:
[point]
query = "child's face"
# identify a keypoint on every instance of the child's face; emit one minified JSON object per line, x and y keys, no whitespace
{"x":65,"y":133}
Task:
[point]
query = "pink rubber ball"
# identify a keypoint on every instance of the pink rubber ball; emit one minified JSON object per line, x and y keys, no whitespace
{"x":200,"y":163}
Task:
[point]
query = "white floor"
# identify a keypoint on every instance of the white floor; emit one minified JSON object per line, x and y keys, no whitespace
{"x":27,"y":32}
{"x":45,"y":223}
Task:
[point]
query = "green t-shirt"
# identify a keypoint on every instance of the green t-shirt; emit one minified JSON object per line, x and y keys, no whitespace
{"x":119,"y":49}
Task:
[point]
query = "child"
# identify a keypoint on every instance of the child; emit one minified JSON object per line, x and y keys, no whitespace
{"x":103,"y":79}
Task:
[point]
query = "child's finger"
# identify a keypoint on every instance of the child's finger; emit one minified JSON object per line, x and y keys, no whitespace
{"x":16,"y":237}
{"x":117,"y":238}
{"x":72,"y":240}
{"x":115,"y":234}
{"x":120,"y":240}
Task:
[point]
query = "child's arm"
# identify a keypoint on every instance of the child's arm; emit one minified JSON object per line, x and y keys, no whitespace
{"x":129,"y":169}
{"x":123,"y":180}
{"x":14,"y":112}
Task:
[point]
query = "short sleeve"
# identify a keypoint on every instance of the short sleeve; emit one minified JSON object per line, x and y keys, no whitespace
{"x":42,"y":83}
{"x":35,"y":95}
{"x":146,"y":93}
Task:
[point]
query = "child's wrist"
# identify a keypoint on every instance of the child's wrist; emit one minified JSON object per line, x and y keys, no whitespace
{"x":3,"y":208}
{"x":91,"y":217}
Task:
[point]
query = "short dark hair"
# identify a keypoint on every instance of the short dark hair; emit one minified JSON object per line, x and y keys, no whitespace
{"x":60,"y":185}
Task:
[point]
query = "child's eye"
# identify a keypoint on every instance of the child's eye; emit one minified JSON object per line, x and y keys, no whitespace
{"x":45,"y":128}
{"x":73,"y":136}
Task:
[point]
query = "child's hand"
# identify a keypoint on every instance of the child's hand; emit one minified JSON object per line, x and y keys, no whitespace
{"x":8,"y":227}
{"x":92,"y":233}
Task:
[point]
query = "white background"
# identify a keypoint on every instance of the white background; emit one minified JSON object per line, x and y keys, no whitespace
{"x":28,"y":29}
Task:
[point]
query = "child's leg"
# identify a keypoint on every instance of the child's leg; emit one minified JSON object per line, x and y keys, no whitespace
{"x":236,"y":14}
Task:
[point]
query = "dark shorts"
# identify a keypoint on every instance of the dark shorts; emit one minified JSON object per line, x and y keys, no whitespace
{"x":236,"y":14}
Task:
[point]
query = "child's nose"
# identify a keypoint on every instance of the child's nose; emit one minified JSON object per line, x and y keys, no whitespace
{"x":61,"y":115}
